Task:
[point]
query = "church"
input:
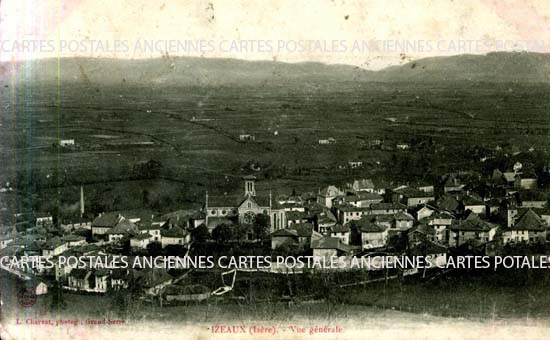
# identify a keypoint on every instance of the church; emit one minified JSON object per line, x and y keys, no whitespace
{"x":243,"y":209}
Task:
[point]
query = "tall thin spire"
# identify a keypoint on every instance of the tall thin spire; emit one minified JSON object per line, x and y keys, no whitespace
{"x":206,"y":209}
{"x":81,"y":201}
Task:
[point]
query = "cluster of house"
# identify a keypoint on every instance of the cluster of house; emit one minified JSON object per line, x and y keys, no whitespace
{"x":364,"y":215}
{"x":358,"y":218}
{"x":36,"y":235}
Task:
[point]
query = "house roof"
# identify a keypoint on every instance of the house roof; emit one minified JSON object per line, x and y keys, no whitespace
{"x":367,"y":225}
{"x":295,"y":215}
{"x":448,"y":203}
{"x":174,"y":231}
{"x":142,"y":236}
{"x":529,"y":220}
{"x":79,"y":273}
{"x":402,"y":216}
{"x":285,"y":233}
{"x":387,"y":206}
{"x":326,"y":216}
{"x":533,"y":195}
{"x":368,"y":196}
{"x":413,"y":192}
{"x":423,"y":229}
{"x":330,"y":191}
{"x":303,"y":229}
{"x":339,"y":228}
{"x":101,"y":272}
{"x":53,"y":243}
{"x":349,"y":207}
{"x":106,"y":220}
{"x":509,"y":176}
{"x":363,"y":184}
{"x":329,"y":243}
{"x":124,"y":227}
{"x":73,"y":238}
{"x":472,"y":225}
{"x":469,"y":200}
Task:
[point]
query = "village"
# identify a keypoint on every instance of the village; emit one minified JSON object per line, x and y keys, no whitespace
{"x":359,"y":219}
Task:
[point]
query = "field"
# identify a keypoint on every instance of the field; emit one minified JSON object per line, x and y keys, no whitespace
{"x":194,"y":133}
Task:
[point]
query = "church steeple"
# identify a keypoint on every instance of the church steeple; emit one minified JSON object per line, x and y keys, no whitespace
{"x":249,"y":189}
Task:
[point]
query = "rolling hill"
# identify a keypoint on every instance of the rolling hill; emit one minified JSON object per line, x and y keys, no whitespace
{"x":520,"y":67}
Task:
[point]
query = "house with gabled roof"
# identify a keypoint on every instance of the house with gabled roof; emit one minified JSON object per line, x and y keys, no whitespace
{"x":54,"y":247}
{"x":433,"y":252}
{"x":124,"y":228}
{"x":533,"y":198}
{"x":387,"y":208}
{"x":420,"y":233}
{"x":373,"y":234}
{"x":283,"y":237}
{"x":74,"y":240}
{"x":453,"y":185}
{"x":80,"y":279}
{"x":324,"y":220}
{"x":403,"y":221}
{"x":174,"y":235}
{"x":529,"y":227}
{"x":440,"y":222}
{"x":150,"y":231}
{"x":474,"y":204}
{"x":363,"y":185}
{"x":341,"y":232}
{"x":448,"y":203}
{"x":103,"y":223}
{"x":327,"y":194}
{"x":328,"y":247}
{"x":471,"y":228}
{"x":413,"y":197}
{"x":423,"y":211}
{"x":141,"y":241}
{"x":152,"y":280}
{"x":347,"y":213}
{"x":367,"y":185}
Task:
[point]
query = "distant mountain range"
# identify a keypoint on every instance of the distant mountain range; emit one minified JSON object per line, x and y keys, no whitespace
{"x":519,"y":67}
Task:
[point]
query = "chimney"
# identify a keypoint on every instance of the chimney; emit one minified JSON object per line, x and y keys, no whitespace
{"x":81,"y":201}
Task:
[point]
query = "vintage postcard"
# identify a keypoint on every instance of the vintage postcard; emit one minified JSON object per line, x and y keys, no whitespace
{"x":316,"y":169}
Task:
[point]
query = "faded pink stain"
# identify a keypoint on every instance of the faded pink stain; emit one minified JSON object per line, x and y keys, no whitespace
{"x":529,"y":24}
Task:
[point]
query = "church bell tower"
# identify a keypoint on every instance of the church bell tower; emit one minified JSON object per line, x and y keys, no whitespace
{"x":249,"y":189}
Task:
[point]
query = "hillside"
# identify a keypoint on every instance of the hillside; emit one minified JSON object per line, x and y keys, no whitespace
{"x":494,"y":67}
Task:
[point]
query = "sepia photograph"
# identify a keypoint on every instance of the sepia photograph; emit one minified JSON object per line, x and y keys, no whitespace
{"x":274,"y":169}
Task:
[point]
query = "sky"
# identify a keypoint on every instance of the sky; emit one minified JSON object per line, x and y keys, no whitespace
{"x":371,"y":33}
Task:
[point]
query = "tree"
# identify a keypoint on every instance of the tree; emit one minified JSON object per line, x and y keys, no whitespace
{"x":58,"y":302}
{"x":240,"y":231}
{"x":261,"y":226}
{"x":148,"y":170}
{"x":200,"y":234}
{"x":145,"y":198}
{"x":154,"y":248}
{"x":222,"y":233}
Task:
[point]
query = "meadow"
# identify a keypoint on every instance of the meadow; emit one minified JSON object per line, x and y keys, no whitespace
{"x":193,"y":131}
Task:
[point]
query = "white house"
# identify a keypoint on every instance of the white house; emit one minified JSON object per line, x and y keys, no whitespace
{"x":174,"y":236}
{"x":373,"y":235}
{"x":529,"y":227}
